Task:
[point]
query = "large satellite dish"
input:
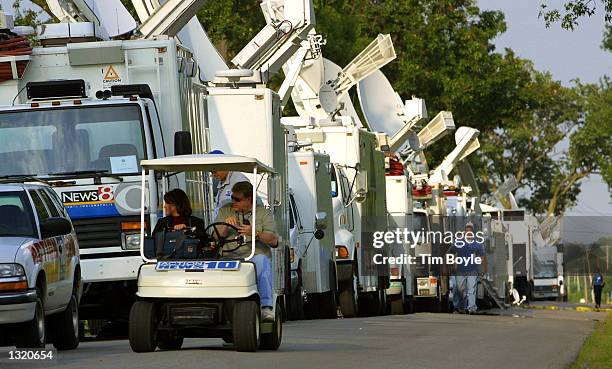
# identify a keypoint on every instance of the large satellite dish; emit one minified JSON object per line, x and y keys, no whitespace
{"x":332,"y":70}
{"x":380,"y":104}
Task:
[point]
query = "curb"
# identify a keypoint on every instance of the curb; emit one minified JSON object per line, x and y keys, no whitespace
{"x":574,"y":308}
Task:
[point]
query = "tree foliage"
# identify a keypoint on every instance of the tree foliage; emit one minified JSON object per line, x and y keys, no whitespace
{"x":446,"y":55}
{"x":573,"y":10}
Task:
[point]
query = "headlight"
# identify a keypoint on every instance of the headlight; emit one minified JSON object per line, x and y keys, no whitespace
{"x":131,"y":241}
{"x":11,"y":270}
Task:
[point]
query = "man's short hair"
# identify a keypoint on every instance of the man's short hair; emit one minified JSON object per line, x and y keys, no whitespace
{"x":245,"y":188}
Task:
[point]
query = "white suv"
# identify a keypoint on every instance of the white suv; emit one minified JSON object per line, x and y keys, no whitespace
{"x":40,"y":275}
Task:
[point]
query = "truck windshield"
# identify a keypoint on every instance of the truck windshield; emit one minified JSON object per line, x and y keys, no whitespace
{"x":76,"y":139}
{"x":16,"y":215}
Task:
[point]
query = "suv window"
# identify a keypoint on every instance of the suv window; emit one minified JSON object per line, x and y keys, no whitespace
{"x":39,"y":205}
{"x":50,"y":203}
{"x":58,"y":203}
{"x":16,"y":217}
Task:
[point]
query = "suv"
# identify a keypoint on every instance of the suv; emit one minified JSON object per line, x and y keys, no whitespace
{"x":40,"y":276}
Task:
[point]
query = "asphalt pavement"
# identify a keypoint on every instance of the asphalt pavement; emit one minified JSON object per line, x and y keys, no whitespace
{"x":520,"y":338}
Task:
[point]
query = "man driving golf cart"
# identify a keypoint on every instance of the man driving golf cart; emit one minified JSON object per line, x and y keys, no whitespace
{"x":239,"y":214}
{"x":207,"y":286}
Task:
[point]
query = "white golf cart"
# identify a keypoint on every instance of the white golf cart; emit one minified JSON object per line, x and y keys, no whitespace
{"x":205,"y":294}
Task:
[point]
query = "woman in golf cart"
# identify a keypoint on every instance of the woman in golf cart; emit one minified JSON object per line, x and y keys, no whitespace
{"x":178,"y":215}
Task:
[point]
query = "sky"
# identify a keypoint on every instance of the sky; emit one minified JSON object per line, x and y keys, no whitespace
{"x":567,"y":55}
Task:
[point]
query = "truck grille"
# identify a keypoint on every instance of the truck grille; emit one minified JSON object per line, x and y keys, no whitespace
{"x":100,"y":232}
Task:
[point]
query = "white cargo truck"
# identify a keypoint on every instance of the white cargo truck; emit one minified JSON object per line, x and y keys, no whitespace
{"x":313,"y":253}
{"x":83,"y":116}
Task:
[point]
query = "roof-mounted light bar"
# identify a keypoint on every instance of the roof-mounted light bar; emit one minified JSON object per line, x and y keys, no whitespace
{"x":141,"y":90}
{"x":60,"y":89}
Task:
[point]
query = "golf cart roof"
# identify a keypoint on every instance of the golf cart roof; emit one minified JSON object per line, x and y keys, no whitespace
{"x":206,"y":162}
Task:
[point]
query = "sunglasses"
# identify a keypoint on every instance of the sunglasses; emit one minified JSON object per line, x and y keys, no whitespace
{"x":236,"y":199}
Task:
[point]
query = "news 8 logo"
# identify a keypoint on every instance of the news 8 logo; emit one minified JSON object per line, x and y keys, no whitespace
{"x":105,"y":193}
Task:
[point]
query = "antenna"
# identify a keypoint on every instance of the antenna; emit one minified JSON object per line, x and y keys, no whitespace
{"x":437,"y":128}
{"x":376,"y":55}
{"x":169,"y":18}
{"x":465,"y":137}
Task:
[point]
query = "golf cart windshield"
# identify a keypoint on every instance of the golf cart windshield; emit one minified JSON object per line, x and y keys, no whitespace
{"x":201,"y":163}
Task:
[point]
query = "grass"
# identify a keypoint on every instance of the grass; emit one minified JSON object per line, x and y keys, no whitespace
{"x":596,"y":353}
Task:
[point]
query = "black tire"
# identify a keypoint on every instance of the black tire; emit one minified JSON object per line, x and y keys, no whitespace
{"x":409,"y":305}
{"x":272,"y":341}
{"x":245,"y":326}
{"x":328,"y":306}
{"x":32,"y":334}
{"x":296,"y":301}
{"x":143,"y":327}
{"x":347,"y":297}
{"x":169,"y":340}
{"x":65,"y":327}
{"x":229,"y":338}
{"x":397,"y":305}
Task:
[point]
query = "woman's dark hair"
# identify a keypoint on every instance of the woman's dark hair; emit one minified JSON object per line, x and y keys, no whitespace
{"x":179,"y":198}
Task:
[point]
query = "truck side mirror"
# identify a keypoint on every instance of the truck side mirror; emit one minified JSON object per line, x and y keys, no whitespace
{"x":182,"y":143}
{"x":320,"y":220}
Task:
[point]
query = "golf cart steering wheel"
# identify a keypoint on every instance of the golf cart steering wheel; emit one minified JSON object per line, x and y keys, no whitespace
{"x":221,"y":240}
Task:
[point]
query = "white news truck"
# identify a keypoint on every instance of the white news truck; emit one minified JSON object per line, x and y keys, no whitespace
{"x":311,"y":223}
{"x":358,"y":183}
{"x":83,"y":116}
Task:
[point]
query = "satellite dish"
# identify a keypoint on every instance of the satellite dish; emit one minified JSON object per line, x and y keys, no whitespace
{"x":328,"y":99}
{"x":380,"y":104}
{"x":332,"y":70}
{"x":111,"y":15}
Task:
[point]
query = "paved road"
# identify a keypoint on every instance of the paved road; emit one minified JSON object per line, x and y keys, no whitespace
{"x":529,"y":339}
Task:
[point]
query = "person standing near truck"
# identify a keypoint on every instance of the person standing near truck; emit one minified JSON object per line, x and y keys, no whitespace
{"x":466,"y":275}
{"x":598,"y":285}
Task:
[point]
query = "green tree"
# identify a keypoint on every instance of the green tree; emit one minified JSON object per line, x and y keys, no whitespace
{"x":573,"y":10}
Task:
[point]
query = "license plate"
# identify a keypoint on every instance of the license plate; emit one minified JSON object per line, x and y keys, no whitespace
{"x":198,"y":265}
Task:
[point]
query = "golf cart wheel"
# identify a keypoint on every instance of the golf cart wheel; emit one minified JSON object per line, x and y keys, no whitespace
{"x":32,"y":334}
{"x":272,"y":340}
{"x":143,"y":327}
{"x":246,"y":326}
{"x":66,"y":327}
{"x":397,"y":304}
{"x":169,"y":340}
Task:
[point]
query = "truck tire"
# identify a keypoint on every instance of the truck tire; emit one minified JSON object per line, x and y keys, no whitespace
{"x":65,"y":327}
{"x":143,"y":327}
{"x":328,"y":306}
{"x":409,"y":305}
{"x":169,"y":340}
{"x":347,"y":296}
{"x":397,"y":304}
{"x":245,"y":326}
{"x":32,"y":334}
{"x":272,"y":341}
{"x":296,"y":301}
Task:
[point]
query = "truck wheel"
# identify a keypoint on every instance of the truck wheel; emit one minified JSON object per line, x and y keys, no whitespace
{"x":65,"y":327}
{"x":32,"y":334}
{"x":246,"y":326}
{"x":347,"y":297}
{"x":272,"y":340}
{"x":397,"y":305}
{"x":143,"y":327}
{"x":328,"y":306}
{"x":296,"y":301}
{"x":409,"y":305}
{"x":169,"y":340}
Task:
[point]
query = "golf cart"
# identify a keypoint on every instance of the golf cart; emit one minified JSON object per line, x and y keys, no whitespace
{"x":196,"y":291}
